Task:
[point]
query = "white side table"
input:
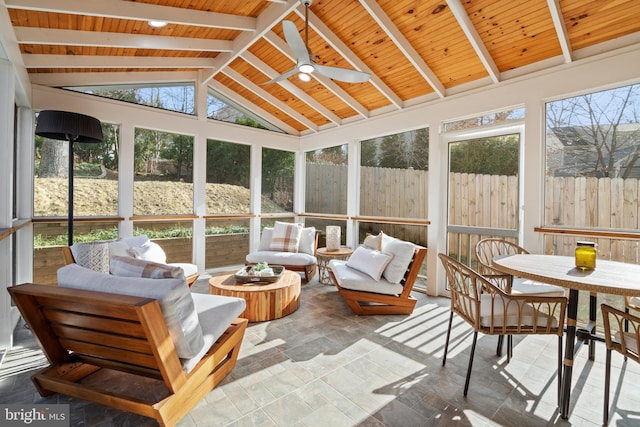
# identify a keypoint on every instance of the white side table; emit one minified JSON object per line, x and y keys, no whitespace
{"x":325,"y":255}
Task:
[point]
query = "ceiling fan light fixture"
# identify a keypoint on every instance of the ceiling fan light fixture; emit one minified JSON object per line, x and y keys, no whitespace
{"x":306,"y":68}
{"x":305,"y":77}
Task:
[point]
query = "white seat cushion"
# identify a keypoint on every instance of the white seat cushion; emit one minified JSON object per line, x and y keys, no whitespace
{"x":173,"y":296}
{"x":281,"y":258}
{"x":350,"y":278}
{"x":187,"y":268}
{"x":215,"y":313}
{"x":510,"y":318}
{"x":529,"y":287}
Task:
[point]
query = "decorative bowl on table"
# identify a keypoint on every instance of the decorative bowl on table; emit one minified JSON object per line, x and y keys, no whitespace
{"x":260,"y":273}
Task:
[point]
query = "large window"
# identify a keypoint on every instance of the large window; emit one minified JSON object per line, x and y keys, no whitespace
{"x":163,"y":165}
{"x":277,"y":180}
{"x":593,"y":169}
{"x":394,"y":175}
{"x":483,"y":192}
{"x":95,"y":176}
{"x":326,"y":181}
{"x":228,"y":174}
{"x":169,"y":96}
{"x":592,"y":175}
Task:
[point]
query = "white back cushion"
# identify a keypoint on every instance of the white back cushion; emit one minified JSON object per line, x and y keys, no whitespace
{"x":401,"y":253}
{"x":307,"y":240}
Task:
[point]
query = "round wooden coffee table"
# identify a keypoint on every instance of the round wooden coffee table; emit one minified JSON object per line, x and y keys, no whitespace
{"x":265,"y":301}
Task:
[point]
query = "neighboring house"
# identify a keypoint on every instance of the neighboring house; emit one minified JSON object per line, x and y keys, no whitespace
{"x":572,"y":151}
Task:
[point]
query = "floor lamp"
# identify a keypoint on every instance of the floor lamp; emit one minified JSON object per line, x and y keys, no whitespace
{"x":72,"y":127}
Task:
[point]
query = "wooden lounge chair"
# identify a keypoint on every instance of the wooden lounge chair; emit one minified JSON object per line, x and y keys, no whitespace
{"x":369,"y":302}
{"x":85,"y":332}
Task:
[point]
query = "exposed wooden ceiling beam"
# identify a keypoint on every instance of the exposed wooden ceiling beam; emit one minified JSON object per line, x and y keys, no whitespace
{"x":90,"y":61}
{"x":295,"y":90}
{"x":470,"y":31}
{"x":403,"y":44}
{"x":267,"y":19}
{"x":33,"y":35}
{"x":326,"y":33}
{"x":245,"y":103}
{"x":229,"y":72}
{"x":139,"y":12}
{"x":283,"y":47}
{"x":112,"y":78}
{"x":561,"y":29}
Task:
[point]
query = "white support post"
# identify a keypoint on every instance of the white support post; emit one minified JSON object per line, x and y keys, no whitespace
{"x":353,"y":191}
{"x":255,"y":184}
{"x":7,"y":105}
{"x":125,"y":178}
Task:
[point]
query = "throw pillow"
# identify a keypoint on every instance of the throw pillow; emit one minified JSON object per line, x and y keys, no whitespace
{"x":149,"y":251}
{"x":265,"y":239}
{"x":369,"y":261}
{"x":92,"y":255}
{"x":285,"y":237}
{"x":402,"y":254}
{"x":373,"y":242}
{"x":126,"y":266}
{"x":307,"y":240}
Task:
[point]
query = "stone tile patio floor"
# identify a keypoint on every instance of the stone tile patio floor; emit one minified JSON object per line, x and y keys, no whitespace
{"x":323,"y":366}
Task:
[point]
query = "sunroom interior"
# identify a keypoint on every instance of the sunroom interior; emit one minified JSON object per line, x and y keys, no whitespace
{"x":391,"y":153}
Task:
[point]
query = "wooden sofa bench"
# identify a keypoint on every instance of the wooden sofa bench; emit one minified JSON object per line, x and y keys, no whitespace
{"x":84,"y":332}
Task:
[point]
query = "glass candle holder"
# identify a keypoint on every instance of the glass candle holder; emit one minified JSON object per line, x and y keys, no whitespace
{"x":585,"y":255}
{"x":333,"y":237}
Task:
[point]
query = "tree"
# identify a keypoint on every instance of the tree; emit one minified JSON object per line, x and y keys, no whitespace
{"x":228,"y":163}
{"x":54,"y":158}
{"x":180,"y":150}
{"x":496,"y":155}
{"x":600,"y":131}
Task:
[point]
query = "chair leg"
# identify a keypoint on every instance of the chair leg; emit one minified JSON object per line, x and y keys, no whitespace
{"x":509,"y":347}
{"x":500,"y":343}
{"x":473,"y":350}
{"x":559,"y":368}
{"x":446,"y":344}
{"x":607,"y":380}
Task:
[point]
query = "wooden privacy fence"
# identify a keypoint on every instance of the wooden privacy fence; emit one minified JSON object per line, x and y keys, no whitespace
{"x":384,"y":192}
{"x":584,"y":202}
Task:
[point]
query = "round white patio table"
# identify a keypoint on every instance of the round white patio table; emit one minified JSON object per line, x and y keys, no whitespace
{"x":609,"y":277}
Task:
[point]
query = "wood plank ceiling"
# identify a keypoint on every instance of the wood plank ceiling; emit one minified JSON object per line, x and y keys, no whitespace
{"x":416,"y":51}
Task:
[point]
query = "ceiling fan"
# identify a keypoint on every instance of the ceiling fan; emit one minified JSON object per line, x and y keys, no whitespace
{"x":305,"y":62}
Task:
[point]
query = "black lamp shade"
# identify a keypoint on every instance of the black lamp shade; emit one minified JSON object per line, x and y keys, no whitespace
{"x":67,"y":126}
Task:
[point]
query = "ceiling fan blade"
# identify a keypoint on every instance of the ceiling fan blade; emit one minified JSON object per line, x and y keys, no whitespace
{"x":295,"y":42}
{"x":342,"y":74}
{"x":281,"y":77}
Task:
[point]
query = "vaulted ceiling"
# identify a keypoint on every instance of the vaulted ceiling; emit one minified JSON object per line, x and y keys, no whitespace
{"x":416,"y":51}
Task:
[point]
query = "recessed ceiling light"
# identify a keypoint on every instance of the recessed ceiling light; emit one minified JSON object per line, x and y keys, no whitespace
{"x":157,"y":24}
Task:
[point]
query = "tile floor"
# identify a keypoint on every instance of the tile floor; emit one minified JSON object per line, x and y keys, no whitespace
{"x":323,"y":366}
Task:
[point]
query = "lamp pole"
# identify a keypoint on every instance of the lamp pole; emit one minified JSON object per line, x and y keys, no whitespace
{"x":64,"y":125}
